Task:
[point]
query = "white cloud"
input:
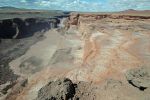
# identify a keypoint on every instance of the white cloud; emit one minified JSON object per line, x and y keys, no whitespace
{"x":23,"y":1}
{"x":80,"y":5}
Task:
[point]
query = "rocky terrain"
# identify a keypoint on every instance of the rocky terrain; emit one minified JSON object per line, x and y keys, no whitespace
{"x":80,"y":56}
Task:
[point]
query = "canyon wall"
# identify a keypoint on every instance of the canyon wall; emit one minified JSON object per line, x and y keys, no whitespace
{"x":16,"y":36}
{"x":101,"y":50}
{"x":21,"y":28}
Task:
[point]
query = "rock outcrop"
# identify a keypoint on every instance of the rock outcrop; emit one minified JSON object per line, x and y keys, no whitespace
{"x":65,"y":89}
{"x":61,"y":89}
{"x":139,"y":77}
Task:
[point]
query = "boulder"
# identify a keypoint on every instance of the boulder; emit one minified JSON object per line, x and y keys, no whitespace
{"x":139,"y":77}
{"x":61,"y":89}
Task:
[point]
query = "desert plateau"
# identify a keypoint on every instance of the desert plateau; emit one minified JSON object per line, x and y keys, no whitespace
{"x":72,"y":55}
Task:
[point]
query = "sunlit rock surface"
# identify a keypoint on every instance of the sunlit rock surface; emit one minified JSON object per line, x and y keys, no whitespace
{"x":95,"y":51}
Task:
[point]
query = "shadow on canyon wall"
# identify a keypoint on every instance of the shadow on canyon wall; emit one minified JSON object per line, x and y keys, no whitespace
{"x":22,"y":28}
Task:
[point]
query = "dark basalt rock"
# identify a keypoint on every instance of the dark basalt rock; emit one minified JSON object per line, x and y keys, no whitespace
{"x":22,"y":28}
{"x":7,"y":29}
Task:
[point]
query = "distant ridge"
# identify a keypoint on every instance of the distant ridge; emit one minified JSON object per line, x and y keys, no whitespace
{"x":14,"y":9}
{"x":7,"y":12}
{"x":9,"y":8}
{"x":134,"y":11}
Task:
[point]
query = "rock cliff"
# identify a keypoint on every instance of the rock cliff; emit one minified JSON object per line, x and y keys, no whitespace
{"x":21,"y":28}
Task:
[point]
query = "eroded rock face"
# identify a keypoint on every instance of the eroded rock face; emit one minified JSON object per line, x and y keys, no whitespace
{"x":21,"y":28}
{"x":74,"y":18}
{"x":61,"y":89}
{"x":139,"y":77}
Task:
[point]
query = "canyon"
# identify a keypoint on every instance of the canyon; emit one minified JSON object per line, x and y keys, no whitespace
{"x":76,"y":56}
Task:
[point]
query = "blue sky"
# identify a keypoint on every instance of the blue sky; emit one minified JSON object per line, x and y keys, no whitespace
{"x":80,"y":5}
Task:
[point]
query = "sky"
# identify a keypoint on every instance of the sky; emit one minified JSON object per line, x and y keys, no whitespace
{"x":79,"y":5}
